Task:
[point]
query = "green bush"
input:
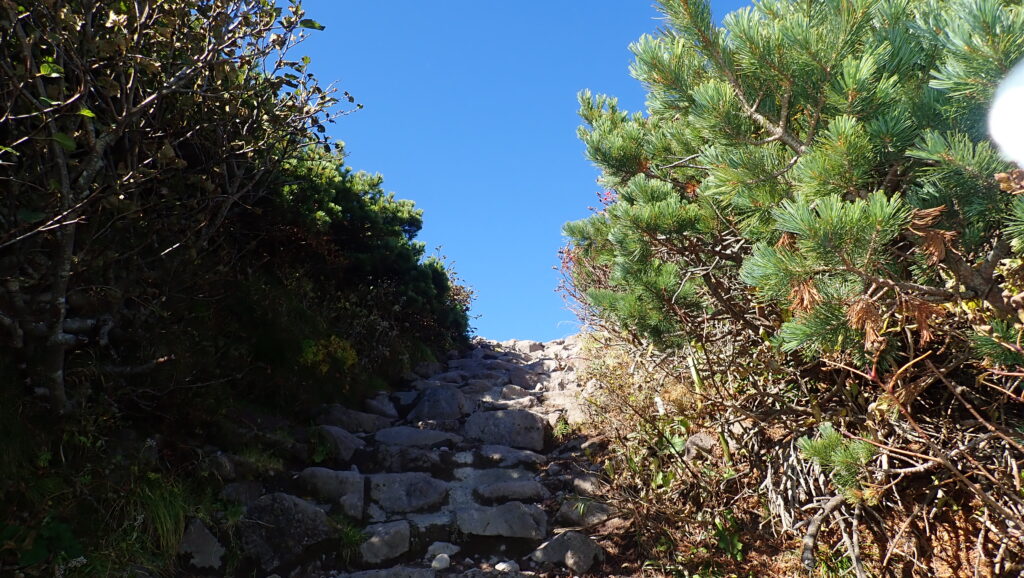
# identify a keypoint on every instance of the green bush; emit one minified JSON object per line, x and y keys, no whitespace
{"x":810,"y":217}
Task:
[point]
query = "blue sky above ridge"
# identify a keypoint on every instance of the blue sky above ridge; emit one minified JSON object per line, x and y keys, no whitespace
{"x":470,"y":111}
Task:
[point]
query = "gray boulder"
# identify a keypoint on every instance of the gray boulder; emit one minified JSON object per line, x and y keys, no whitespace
{"x":512,"y":427}
{"x":278,"y":528}
{"x":523,"y":378}
{"x":385,"y":541}
{"x":509,"y":520}
{"x":336,"y":487}
{"x":340,"y":443}
{"x":352,"y":420}
{"x":440,"y":403}
{"x":201,"y":549}
{"x":407,"y":492}
{"x":573,"y":550}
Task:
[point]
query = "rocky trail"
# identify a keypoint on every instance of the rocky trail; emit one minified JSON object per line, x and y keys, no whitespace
{"x":467,"y":471}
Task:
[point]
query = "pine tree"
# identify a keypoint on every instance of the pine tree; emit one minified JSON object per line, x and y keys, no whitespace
{"x":812,"y":186}
{"x":831,"y":155}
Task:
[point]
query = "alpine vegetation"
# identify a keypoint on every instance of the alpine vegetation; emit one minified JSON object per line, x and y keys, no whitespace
{"x":812,"y":248}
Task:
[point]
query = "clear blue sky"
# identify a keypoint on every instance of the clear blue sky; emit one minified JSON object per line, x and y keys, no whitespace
{"x":470,"y":111}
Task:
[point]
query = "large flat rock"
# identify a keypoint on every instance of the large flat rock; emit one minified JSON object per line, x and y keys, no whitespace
{"x":510,"y":520}
{"x":407,"y":492}
{"x":509,"y":427}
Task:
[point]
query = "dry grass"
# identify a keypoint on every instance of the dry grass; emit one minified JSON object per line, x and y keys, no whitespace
{"x":704,"y":468}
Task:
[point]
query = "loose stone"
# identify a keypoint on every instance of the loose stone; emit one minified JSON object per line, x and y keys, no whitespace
{"x":386,"y":542}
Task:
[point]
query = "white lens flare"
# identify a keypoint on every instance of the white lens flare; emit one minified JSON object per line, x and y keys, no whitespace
{"x":1006,"y":117}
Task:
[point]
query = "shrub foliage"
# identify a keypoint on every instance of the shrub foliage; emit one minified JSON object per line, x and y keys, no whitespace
{"x":810,"y":226}
{"x":177,"y":237}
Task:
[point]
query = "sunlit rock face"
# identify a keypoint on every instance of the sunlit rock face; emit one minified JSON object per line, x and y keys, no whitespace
{"x":1006,"y":117}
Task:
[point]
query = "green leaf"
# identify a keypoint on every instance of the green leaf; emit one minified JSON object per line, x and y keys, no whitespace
{"x":4,"y":149}
{"x":87,"y":112}
{"x":50,"y":70}
{"x":65,"y":141}
{"x":49,"y":101}
{"x":307,"y":23}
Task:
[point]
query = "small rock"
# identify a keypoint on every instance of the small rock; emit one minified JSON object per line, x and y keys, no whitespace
{"x":407,"y":492}
{"x":201,"y":548}
{"x":507,"y":567}
{"x":573,"y":550}
{"x":441,"y":562}
{"x":699,"y":445}
{"x":587,"y":484}
{"x":410,"y":436}
{"x":386,"y":541}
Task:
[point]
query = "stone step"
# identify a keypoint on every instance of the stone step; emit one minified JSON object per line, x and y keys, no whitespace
{"x":453,"y":476}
